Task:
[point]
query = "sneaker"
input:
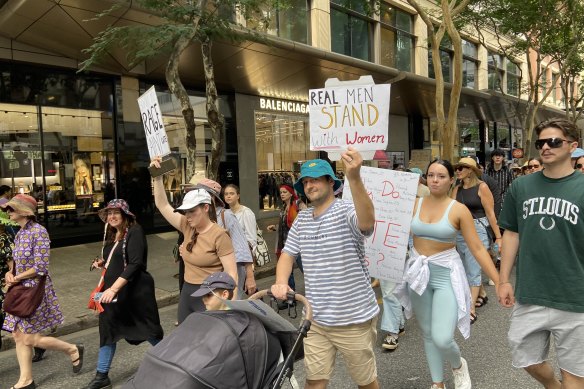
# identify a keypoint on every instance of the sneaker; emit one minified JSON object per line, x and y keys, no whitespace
{"x":461,"y":376}
{"x":390,"y":342}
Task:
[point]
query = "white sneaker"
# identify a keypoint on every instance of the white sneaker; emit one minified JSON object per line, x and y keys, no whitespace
{"x":461,"y":376}
{"x":390,"y":342}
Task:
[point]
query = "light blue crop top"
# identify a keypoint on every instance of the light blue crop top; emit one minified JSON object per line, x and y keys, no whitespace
{"x":442,"y":231}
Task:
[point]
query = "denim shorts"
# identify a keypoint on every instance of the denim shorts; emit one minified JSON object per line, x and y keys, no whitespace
{"x":531,"y":330}
{"x":471,"y":266}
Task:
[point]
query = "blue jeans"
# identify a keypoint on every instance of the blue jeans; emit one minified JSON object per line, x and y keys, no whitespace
{"x":436,"y":312}
{"x":106,"y":355}
{"x":392,"y":318}
{"x":471,"y":266}
{"x":291,"y":282}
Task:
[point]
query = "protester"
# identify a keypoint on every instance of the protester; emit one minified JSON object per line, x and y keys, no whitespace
{"x":516,"y":170}
{"x":5,"y":192}
{"x":207,"y":247}
{"x":534,"y":165}
{"x":288,"y":212}
{"x":244,"y":215}
{"x":30,"y":262}
{"x":434,"y":283}
{"x":580,"y":164}
{"x":330,"y":237}
{"x":226,"y":219}
{"x":215,"y":290}
{"x":127,"y":305}
{"x":577,"y":154}
{"x":500,"y":172}
{"x":543,"y":220}
{"x":476,"y":196}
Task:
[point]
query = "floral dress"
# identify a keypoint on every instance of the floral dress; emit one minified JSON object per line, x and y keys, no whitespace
{"x":32,"y":249}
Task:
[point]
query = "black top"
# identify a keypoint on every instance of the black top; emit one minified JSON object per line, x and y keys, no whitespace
{"x":134,"y":317}
{"x":470,"y":198}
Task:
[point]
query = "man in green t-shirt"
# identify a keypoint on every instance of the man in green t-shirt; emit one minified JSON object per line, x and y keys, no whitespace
{"x":542,"y":215}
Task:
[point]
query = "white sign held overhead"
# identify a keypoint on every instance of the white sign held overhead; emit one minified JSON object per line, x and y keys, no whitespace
{"x":153,"y":125}
{"x":349,"y":113}
{"x":393,"y":194}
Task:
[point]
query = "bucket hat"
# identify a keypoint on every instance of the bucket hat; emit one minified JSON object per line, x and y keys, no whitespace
{"x":471,"y":164}
{"x":193,"y":198}
{"x":219,"y":280}
{"x":213,"y":187}
{"x":316,"y":168}
{"x":22,"y":204}
{"x":578,"y":153}
{"x":120,"y":204}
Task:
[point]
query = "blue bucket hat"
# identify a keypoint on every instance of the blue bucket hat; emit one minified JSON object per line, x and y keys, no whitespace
{"x":578,"y":153}
{"x":316,"y":168}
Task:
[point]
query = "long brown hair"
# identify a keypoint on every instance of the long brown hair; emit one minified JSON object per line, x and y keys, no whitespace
{"x":110,"y":233}
{"x":212,"y":216}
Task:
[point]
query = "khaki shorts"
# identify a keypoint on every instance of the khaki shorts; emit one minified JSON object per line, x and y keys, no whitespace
{"x":354,"y":342}
{"x":532,"y":327}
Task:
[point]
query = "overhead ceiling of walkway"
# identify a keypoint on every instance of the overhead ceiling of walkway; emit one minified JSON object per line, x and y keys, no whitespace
{"x":280,"y":69}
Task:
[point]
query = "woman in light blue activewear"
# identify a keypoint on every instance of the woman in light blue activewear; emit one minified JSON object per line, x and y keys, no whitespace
{"x":434,"y":283}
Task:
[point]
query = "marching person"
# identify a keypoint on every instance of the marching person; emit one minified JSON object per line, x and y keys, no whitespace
{"x":542,"y":217}
{"x":434,"y":283}
{"x":30,"y":261}
{"x":127,"y":306}
{"x":206,"y":248}
{"x":330,"y":237}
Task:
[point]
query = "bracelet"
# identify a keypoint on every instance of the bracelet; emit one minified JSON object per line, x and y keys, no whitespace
{"x":506,"y":282}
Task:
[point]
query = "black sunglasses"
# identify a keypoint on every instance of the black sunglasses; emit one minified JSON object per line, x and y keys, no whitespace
{"x":460,"y":168}
{"x":579,"y":166}
{"x":533,"y":166}
{"x":553,"y":143}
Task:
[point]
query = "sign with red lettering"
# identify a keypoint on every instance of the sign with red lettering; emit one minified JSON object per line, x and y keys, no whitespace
{"x":349,"y":114}
{"x":393,"y":194}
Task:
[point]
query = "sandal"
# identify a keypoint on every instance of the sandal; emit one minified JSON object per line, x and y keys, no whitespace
{"x":473,"y":318}
{"x":80,"y":350}
{"x":481,"y":300}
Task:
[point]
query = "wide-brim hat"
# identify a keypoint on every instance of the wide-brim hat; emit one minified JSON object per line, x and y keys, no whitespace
{"x":193,"y":198}
{"x":22,"y":204}
{"x":471,"y":164}
{"x":120,"y":204}
{"x":213,"y":187}
{"x":219,"y":280}
{"x":316,"y":168}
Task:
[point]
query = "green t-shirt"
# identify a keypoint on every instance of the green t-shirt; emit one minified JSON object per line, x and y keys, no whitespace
{"x":547,"y":215}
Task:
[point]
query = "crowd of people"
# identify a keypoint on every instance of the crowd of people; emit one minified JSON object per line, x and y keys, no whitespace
{"x":464,"y":217}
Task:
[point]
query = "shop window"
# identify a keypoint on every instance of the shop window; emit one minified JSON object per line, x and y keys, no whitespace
{"x":513,"y":79}
{"x":350,"y":32}
{"x":290,"y":22}
{"x":470,"y":64}
{"x":397,"y":40}
{"x":445,"y":59}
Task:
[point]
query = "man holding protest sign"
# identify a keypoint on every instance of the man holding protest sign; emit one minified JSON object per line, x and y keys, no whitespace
{"x":330,"y":237}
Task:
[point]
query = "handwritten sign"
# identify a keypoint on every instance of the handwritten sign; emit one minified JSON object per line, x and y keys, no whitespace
{"x":349,"y":115}
{"x":153,"y":125}
{"x":393,"y":194}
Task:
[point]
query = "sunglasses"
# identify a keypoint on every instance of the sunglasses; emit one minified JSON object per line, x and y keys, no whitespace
{"x":553,"y":143}
{"x":461,"y":168}
{"x":579,"y":166}
{"x":533,"y":166}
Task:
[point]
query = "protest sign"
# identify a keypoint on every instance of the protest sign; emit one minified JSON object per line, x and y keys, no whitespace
{"x":153,"y":125}
{"x":350,"y":113}
{"x":393,"y":194}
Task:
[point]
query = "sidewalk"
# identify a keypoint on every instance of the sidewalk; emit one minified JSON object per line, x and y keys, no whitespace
{"x":69,"y":268}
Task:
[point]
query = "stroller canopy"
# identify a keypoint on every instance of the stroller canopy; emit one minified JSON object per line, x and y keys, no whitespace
{"x":214,"y":349}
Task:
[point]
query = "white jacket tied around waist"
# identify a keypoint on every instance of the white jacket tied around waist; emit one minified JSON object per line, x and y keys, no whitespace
{"x":417,"y":276}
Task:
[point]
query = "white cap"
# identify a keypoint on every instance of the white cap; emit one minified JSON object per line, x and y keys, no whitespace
{"x":194,"y":198}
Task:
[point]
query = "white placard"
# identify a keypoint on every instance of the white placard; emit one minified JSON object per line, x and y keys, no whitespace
{"x":153,"y":125}
{"x":349,"y":115}
{"x":393,"y":194}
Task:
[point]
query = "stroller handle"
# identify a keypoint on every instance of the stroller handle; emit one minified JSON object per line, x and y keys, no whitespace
{"x":296,"y":296}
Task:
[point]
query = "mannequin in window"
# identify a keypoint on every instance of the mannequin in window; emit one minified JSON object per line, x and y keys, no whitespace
{"x":83,"y":183}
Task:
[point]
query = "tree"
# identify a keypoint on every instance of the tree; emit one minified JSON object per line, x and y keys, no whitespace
{"x":439,"y":22}
{"x":182,"y":24}
{"x":545,"y":33}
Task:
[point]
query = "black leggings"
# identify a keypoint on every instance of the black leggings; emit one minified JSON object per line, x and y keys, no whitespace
{"x":188,"y":304}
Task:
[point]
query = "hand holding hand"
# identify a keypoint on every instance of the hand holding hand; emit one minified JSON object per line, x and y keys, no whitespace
{"x":506,"y":294}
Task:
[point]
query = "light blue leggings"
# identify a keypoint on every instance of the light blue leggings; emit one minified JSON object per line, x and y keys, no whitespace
{"x":106,"y":355}
{"x":436,"y":312}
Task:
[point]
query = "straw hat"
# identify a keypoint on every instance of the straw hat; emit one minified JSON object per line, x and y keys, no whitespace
{"x":471,"y":164}
{"x":120,"y":204}
{"x":22,"y":204}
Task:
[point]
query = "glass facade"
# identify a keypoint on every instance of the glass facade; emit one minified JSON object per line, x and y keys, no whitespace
{"x":513,"y":79}
{"x":470,"y":64}
{"x":290,"y":22}
{"x":350,"y":33}
{"x":397,"y":40}
{"x":496,"y":71}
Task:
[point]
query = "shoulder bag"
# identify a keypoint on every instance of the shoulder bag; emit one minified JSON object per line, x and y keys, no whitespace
{"x":261,"y":253}
{"x":22,"y":301}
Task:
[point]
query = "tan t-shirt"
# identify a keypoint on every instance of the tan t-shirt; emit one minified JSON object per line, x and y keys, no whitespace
{"x":204,"y":260}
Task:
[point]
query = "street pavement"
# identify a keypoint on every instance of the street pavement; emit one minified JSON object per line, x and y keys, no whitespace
{"x":486,"y":351}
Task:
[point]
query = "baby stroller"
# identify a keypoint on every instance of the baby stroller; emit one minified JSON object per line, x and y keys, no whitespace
{"x":234,"y":349}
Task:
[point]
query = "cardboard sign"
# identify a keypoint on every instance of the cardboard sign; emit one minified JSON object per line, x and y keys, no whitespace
{"x":153,"y":125}
{"x":393,"y":194}
{"x":347,"y":114}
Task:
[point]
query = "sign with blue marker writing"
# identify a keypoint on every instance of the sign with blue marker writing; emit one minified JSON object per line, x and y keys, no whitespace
{"x":349,"y":113}
{"x":393,"y":194}
{"x":153,"y":125}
